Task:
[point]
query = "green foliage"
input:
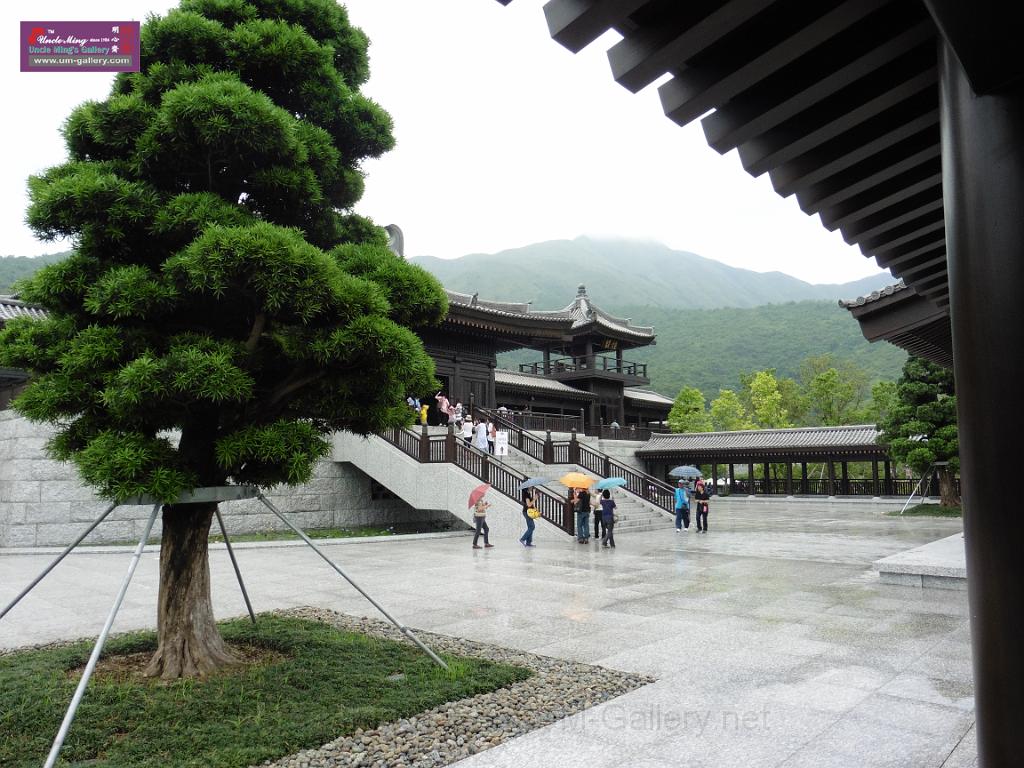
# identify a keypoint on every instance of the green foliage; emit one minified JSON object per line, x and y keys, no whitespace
{"x":688,"y":413}
{"x":728,"y":413}
{"x":766,"y":401}
{"x":921,"y":426}
{"x":316,"y":683}
{"x":220,"y":286}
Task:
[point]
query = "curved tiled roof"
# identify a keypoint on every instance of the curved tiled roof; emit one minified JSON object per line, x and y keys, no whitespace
{"x":646,"y":396}
{"x":11,"y":308}
{"x":528,"y":381}
{"x":504,"y":308}
{"x":845,"y":438}
{"x":874,"y":296}
{"x":585,"y":314}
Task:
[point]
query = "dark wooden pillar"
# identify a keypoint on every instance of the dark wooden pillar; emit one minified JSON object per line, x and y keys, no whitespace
{"x":732,"y":478}
{"x":874,"y":478}
{"x":714,"y":475}
{"x":983,"y":193}
{"x":750,"y":478}
{"x":789,"y":478}
{"x":845,"y":487}
{"x":767,"y":480}
{"x":888,"y":478}
{"x":831,"y":476}
{"x":803,"y":478}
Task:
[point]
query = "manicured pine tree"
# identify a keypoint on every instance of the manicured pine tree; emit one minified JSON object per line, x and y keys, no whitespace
{"x":220,"y":291}
{"x":921,"y":425}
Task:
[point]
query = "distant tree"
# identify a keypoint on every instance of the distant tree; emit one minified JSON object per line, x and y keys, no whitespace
{"x":688,"y":413}
{"x":794,"y":401}
{"x":883,"y":400}
{"x":766,"y":401}
{"x":921,"y":427}
{"x":218,"y":286}
{"x":728,"y":413}
{"x":835,"y":390}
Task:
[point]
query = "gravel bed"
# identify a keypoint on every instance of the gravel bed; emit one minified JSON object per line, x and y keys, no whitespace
{"x":458,"y":729}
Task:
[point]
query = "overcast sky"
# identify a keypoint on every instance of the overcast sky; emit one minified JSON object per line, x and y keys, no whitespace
{"x":504,"y":139}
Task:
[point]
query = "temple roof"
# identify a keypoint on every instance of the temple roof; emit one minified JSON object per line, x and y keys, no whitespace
{"x":899,"y":315}
{"x":511,"y":309}
{"x":647,"y":396}
{"x":528,"y":382}
{"x":843,"y":440}
{"x":587,"y":316}
{"x":11,"y":308}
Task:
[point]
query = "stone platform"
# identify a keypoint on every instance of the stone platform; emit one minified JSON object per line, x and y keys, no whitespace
{"x":940,"y":564}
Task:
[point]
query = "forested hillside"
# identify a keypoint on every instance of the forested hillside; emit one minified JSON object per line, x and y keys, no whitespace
{"x":14,"y":268}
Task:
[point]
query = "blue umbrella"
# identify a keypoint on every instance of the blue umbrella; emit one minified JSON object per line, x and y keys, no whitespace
{"x":610,"y":482}
{"x":686,"y":472}
{"x":530,"y":482}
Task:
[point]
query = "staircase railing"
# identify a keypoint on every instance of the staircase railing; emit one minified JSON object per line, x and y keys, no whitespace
{"x":571,"y":451}
{"x":447,"y":448}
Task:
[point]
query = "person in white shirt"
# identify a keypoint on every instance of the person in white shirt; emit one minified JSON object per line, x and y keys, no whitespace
{"x":480,"y":439}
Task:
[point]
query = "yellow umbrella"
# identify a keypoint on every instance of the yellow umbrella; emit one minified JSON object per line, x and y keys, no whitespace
{"x":577,"y":480}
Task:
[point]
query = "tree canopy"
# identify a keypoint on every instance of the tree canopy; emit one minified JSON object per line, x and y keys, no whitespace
{"x":688,"y":413}
{"x":921,"y":426}
{"x":220,"y":285}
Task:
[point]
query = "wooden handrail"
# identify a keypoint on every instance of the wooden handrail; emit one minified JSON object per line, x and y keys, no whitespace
{"x":503,"y":478}
{"x":640,"y":484}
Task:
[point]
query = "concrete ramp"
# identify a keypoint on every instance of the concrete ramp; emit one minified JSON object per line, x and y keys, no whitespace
{"x":432,"y":486}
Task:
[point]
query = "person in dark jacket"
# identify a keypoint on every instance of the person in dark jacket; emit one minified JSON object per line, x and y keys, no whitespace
{"x":582,"y":509}
{"x":701,"y":496}
{"x":529,"y":502}
{"x":608,"y":517}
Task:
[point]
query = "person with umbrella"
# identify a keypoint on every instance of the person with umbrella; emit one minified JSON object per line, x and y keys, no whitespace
{"x":608,"y":515}
{"x":529,"y":505}
{"x":600,"y":520}
{"x":682,"y":506}
{"x":578,"y":483}
{"x":476,"y":501}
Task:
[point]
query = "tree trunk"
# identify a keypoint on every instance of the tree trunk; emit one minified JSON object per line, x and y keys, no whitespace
{"x":190,"y":644}
{"x":948,"y":496}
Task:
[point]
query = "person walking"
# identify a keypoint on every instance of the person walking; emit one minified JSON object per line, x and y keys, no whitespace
{"x":492,"y":435}
{"x":595,"y":504}
{"x":701,"y":495}
{"x":480,"y":518}
{"x":582,"y":516}
{"x":424,"y":409}
{"x":480,"y":440}
{"x":608,"y":518}
{"x":682,"y":507}
{"x":529,"y":504}
{"x":467,"y":431}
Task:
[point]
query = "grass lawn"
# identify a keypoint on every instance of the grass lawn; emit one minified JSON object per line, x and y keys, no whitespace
{"x":310,"y":683}
{"x":929,"y":510}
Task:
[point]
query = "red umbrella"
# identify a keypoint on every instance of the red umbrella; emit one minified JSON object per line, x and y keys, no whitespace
{"x":478,"y":493}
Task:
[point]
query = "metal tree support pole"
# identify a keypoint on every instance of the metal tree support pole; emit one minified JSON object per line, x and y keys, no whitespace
{"x":60,"y":557}
{"x":404,"y":629}
{"x":926,"y":476}
{"x":238,"y":573}
{"x":69,"y":716}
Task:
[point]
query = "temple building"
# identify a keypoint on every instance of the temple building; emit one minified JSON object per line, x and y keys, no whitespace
{"x":580,"y":376}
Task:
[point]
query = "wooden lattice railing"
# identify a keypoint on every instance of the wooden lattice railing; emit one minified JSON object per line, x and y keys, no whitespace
{"x":571,"y":451}
{"x":447,"y":448}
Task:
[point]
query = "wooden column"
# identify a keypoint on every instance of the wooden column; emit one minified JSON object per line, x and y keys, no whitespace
{"x":831,"y":476}
{"x":789,"y":478}
{"x":767,"y":480}
{"x":732,"y":478}
{"x":803,"y":477}
{"x":750,"y":478}
{"x":714,"y":475}
{"x":888,"y":478}
{"x":874,"y":478}
{"x":844,"y":489}
{"x":983,"y":195}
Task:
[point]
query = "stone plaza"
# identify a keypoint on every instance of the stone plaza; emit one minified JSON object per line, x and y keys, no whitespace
{"x":772,"y":639}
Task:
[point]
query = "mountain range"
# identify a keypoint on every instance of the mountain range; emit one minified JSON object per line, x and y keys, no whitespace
{"x":620,"y":273}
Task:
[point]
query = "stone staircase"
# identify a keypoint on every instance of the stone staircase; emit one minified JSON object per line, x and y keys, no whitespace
{"x":634,"y":513}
